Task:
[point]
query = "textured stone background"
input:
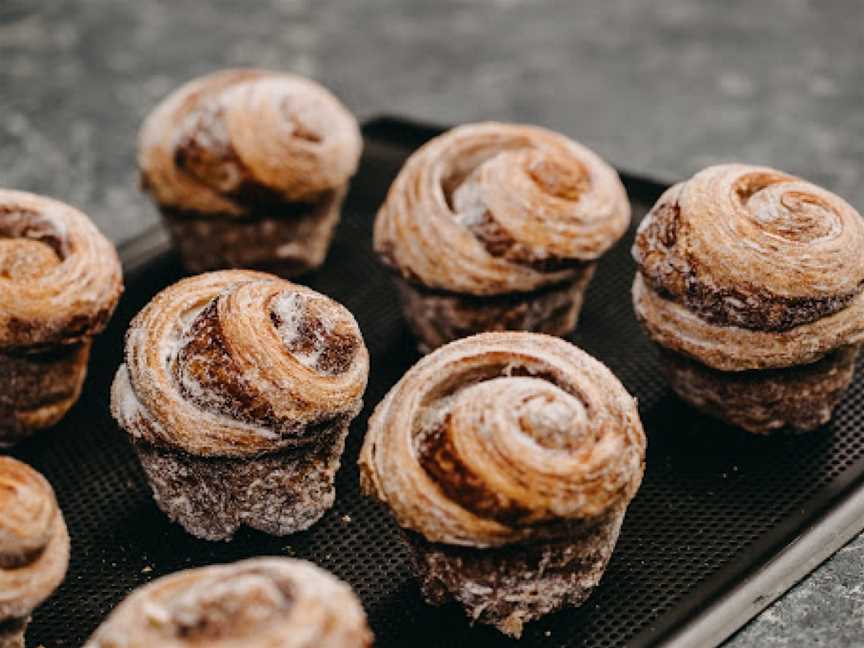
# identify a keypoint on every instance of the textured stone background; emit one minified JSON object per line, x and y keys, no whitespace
{"x":663,"y":88}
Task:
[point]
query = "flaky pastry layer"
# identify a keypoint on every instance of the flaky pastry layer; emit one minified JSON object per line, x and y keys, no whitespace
{"x":503,"y":437}
{"x":34,"y":542}
{"x":239,"y":363}
{"x":60,"y":278}
{"x":231,"y":142}
{"x":257,"y":603}
{"x":495,"y":208}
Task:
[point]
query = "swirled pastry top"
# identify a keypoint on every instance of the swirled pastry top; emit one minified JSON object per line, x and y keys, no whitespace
{"x":775,"y":261}
{"x":237,"y":138}
{"x":34,"y":543}
{"x":503,"y":437}
{"x":753,"y":247}
{"x":495,"y":208}
{"x":60,"y":279}
{"x":257,"y":603}
{"x":239,"y":363}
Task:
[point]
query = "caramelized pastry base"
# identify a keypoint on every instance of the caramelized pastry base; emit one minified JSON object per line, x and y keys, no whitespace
{"x":437,"y":318}
{"x":12,"y":632}
{"x":38,"y":388}
{"x":291,"y":242}
{"x":509,"y":586}
{"x":279,"y":494}
{"x":762,"y":401}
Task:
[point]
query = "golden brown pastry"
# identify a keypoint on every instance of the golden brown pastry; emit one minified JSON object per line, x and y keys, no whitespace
{"x":237,"y":390}
{"x":509,"y":459}
{"x":745,"y":268}
{"x":34,"y":547}
{"x":495,"y":217}
{"x":249,"y":169}
{"x":60,"y":280}
{"x":257,"y":603}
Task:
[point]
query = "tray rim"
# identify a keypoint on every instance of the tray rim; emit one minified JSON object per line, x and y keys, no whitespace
{"x":731,"y":610}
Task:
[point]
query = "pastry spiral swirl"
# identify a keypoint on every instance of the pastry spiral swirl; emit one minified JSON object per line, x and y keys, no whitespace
{"x":503,"y":437}
{"x":254,"y":603}
{"x":60,"y":277}
{"x":34,"y":543}
{"x":238,"y":138}
{"x":239,"y":363}
{"x":494,"y":208}
{"x":745,"y":267}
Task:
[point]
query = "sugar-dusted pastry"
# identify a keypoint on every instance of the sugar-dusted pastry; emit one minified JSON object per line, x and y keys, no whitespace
{"x":498,"y":226}
{"x":509,"y":460}
{"x":34,"y":547}
{"x":257,"y":603}
{"x":757,"y":277}
{"x":249,"y":169}
{"x":60,"y":280}
{"x":237,"y":391}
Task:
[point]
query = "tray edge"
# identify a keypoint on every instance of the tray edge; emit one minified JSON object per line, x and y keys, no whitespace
{"x":813,"y":546}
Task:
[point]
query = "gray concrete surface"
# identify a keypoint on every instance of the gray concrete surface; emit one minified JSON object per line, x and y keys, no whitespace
{"x":663,"y":88}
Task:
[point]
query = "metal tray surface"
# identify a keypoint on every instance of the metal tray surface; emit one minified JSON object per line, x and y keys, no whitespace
{"x":723,"y":524}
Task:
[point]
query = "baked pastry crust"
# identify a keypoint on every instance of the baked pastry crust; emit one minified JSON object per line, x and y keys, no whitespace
{"x":236,"y":138}
{"x":287,"y":242}
{"x":438,"y":317}
{"x":513,"y":585}
{"x":61,"y":277}
{"x":503,"y":438}
{"x":60,"y":281}
{"x":38,"y":388}
{"x":279,"y":493}
{"x":799,"y":398}
{"x":257,"y":603}
{"x":238,"y":363}
{"x":238,"y":390}
{"x":249,"y":168}
{"x":493,"y":208}
{"x":745,"y":267}
{"x":509,"y":460}
{"x":34,"y":542}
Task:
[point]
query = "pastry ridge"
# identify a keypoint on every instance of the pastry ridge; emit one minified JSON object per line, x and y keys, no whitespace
{"x":494,"y":208}
{"x":237,"y":139}
{"x":257,"y":602}
{"x":502,"y":438}
{"x":753,"y":247}
{"x":62,"y":277}
{"x":746,"y":267}
{"x":34,"y":542}
{"x":238,"y":363}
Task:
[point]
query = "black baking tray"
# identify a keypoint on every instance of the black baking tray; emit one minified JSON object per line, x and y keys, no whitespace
{"x":723,"y":524}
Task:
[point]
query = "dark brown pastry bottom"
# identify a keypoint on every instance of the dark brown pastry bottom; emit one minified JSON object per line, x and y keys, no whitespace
{"x":761,"y":401}
{"x":509,"y":586}
{"x":287,"y":244}
{"x":279,"y":494}
{"x":12,"y":632}
{"x":38,"y":388}
{"x":437,"y":317}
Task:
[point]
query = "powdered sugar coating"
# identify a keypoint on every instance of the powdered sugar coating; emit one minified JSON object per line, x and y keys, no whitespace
{"x":257,"y":603}
{"x":68,"y":298}
{"x":34,"y":542}
{"x":744,"y":267}
{"x":208,"y":372}
{"x":503,"y":438}
{"x":246,"y":132}
{"x":493,"y":208}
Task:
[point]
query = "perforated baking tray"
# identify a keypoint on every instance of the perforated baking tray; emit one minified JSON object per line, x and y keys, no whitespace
{"x":723,"y":524}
